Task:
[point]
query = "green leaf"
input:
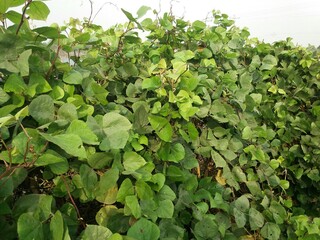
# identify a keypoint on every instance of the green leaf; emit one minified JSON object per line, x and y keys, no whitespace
{"x":73,"y":77}
{"x":126,"y":189}
{"x":7,"y":187}
{"x":166,"y":193}
{"x":42,"y":109}
{"x":4,"y":97}
{"x":165,"y":209}
{"x":13,"y":16}
{"x":242,"y":204}
{"x":144,"y":229}
{"x":95,"y":232}
{"x":151,"y":83}
{"x":131,"y":69}
{"x":15,"y":84}
{"x":57,"y":227}
{"x":23,"y":63}
{"x":81,"y":129}
{"x":100,"y":93}
{"x":256,"y":219}
{"x":144,"y":191}
{"x":70,"y":143}
{"x":37,"y":204}
{"x":268,"y":62}
{"x":38,"y":10}
{"x":116,"y":128}
{"x":172,"y":152}
{"x":142,"y":11}
{"x":100,"y":160}
{"x":132,"y":161}
{"x":131,"y":18}
{"x":206,"y":229}
{"x":68,"y":112}
{"x":89,"y":179}
{"x":49,"y":157}
{"x":39,"y":82}
{"x":240,"y":218}
{"x":49,"y":32}
{"x":106,"y":190}
{"x":29,"y":228}
{"x":184,"y":55}
{"x":132,"y":203}
{"x":198,"y":25}
{"x":162,"y":127}
{"x":271,"y":231}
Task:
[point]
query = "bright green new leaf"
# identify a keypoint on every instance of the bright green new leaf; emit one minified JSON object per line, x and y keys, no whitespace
{"x":162,"y":127}
{"x":132,"y":161}
{"x":144,"y":229}
{"x":81,"y":129}
{"x":38,"y":10}
{"x":42,"y":109}
{"x":95,"y":232}
{"x":70,"y":143}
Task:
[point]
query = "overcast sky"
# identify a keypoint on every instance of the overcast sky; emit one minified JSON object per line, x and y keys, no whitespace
{"x":269,"y":20}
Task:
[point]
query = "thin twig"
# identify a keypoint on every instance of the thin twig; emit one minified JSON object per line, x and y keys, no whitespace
{"x":28,"y":2}
{"x":91,"y":11}
{"x":110,"y":3}
{"x":27,"y":144}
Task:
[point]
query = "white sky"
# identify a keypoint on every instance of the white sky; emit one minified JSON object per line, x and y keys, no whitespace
{"x":269,"y":20}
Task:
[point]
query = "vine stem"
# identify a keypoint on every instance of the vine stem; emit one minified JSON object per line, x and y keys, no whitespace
{"x":28,"y":2}
{"x":73,"y":202}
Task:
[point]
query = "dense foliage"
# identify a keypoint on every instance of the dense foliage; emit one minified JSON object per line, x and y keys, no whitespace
{"x":191,"y":132}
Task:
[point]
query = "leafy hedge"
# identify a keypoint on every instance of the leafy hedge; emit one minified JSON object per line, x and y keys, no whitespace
{"x":191,"y":132}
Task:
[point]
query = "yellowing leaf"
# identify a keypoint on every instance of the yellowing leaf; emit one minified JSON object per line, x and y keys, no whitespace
{"x":220,"y":179}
